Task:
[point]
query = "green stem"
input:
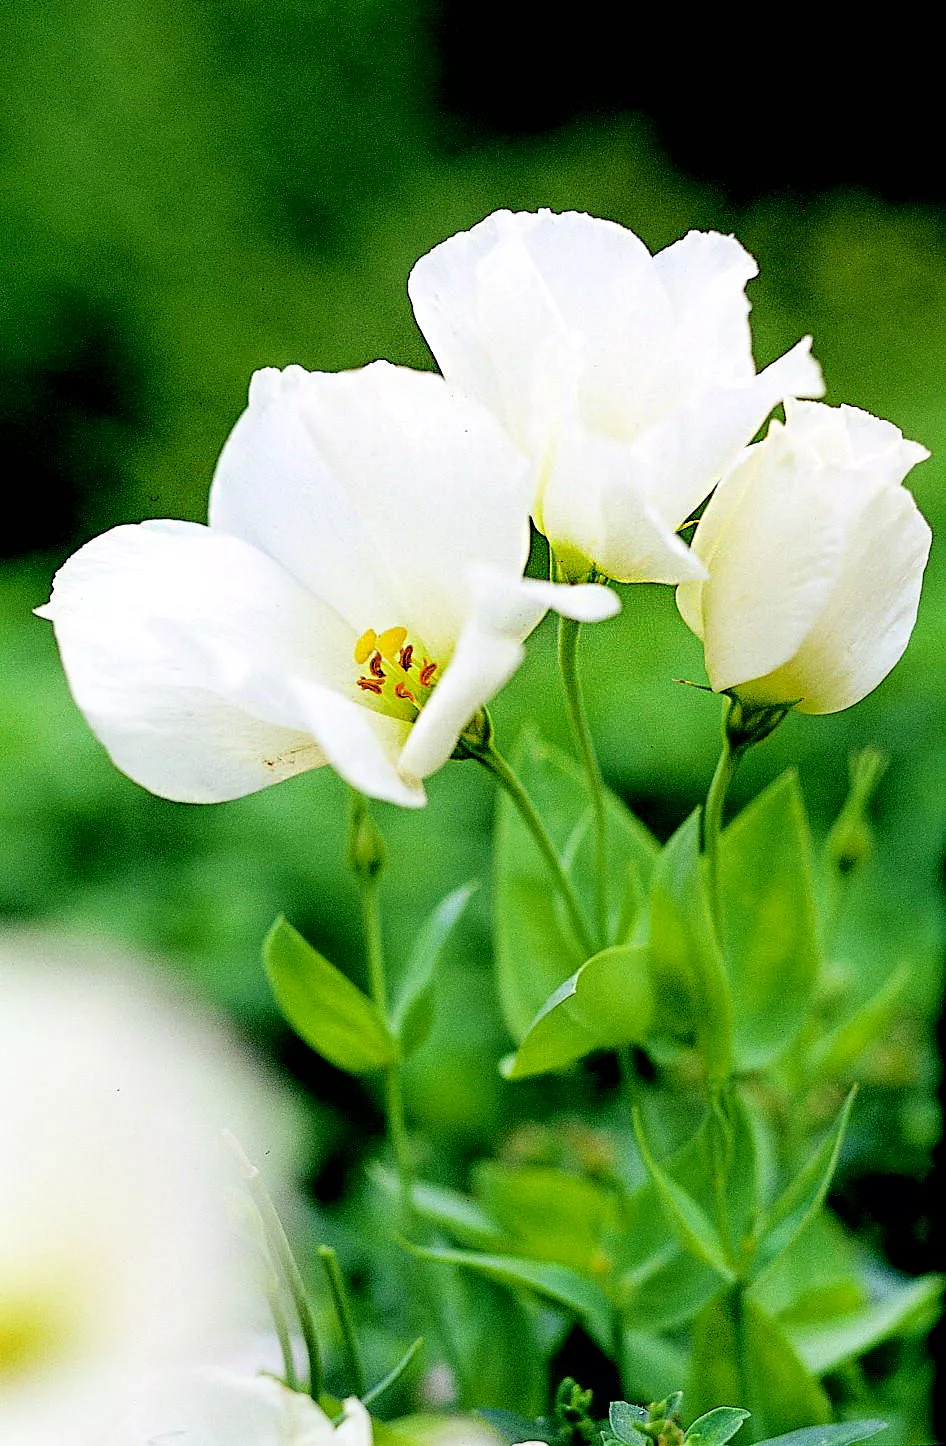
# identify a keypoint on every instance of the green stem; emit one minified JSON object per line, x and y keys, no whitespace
{"x":729,"y":760}
{"x":568,"y":634}
{"x":494,"y":762}
{"x":737,"y":1309}
{"x":336,"y":1285}
{"x":393,"y":1084}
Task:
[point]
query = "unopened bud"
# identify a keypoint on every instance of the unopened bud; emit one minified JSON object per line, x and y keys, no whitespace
{"x":850,"y":841}
{"x":366,"y":852}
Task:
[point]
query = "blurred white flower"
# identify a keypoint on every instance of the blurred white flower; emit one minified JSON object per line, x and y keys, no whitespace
{"x":815,"y":555}
{"x":117,"y":1252}
{"x":627,"y":378}
{"x":218,"y":1408}
{"x":356,"y":599}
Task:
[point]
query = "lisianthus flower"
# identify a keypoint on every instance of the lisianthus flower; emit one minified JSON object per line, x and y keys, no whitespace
{"x":815,"y":554}
{"x":355,"y":600}
{"x":118,"y":1255}
{"x":215,"y":1407}
{"x":627,"y":378}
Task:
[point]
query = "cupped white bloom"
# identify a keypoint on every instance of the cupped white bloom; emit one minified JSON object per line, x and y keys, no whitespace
{"x":118,"y":1255}
{"x":815,"y":553}
{"x":356,"y":598}
{"x":214,"y":1407}
{"x":627,"y":378}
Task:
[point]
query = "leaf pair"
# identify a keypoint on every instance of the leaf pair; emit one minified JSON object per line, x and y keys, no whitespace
{"x":335,"y":1017}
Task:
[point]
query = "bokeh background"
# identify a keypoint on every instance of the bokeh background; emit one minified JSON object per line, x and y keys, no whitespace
{"x":190,"y":189}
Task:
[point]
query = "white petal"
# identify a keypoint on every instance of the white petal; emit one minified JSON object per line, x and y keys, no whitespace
{"x":526,"y":308}
{"x":594,"y":505}
{"x":705,"y":275}
{"x":214,"y":1407}
{"x":488,"y":653}
{"x":848,"y":436}
{"x":773,"y":544}
{"x":273,"y":489}
{"x":207,"y":671}
{"x":404,"y":486}
{"x":483,"y":662}
{"x":356,"y":1429}
{"x":677,"y":464}
{"x":866,"y":623}
{"x":584,"y":602}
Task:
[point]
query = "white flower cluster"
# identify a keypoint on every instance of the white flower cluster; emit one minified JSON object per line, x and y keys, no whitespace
{"x":358,"y":594}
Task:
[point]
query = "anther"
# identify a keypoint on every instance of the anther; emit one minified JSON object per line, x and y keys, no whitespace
{"x":369,"y":685}
{"x":376,"y":668}
{"x":427,"y":674}
{"x":401,"y":692}
{"x":365,"y":646}
{"x":388,"y":642}
{"x":406,"y":656}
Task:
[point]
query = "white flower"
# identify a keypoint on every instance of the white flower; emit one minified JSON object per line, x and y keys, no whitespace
{"x":117,"y":1252}
{"x":815,"y":555}
{"x":356,"y":599}
{"x":627,"y":378}
{"x":215,"y":1407}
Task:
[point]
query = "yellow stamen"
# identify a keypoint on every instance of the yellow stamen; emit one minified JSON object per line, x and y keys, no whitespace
{"x":390,"y":642}
{"x":365,"y":646}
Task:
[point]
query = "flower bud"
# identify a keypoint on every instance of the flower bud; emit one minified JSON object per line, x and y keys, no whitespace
{"x":815,"y":554}
{"x":366,"y":851}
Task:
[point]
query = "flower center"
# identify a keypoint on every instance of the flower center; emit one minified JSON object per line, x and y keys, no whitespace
{"x":398,"y":675}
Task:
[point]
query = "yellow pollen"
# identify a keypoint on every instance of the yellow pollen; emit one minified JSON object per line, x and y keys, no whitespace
{"x":365,"y":646}
{"x":390,"y":642}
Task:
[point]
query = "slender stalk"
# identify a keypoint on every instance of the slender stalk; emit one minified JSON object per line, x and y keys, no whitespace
{"x":336,"y":1285}
{"x":737,"y":1310}
{"x":492,"y":760}
{"x":290,"y":1375}
{"x":713,"y":813}
{"x":393,"y":1084}
{"x":281,"y":1251}
{"x":568,"y":634}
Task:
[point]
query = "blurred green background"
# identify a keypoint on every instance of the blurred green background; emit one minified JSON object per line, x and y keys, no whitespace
{"x":190,"y":191}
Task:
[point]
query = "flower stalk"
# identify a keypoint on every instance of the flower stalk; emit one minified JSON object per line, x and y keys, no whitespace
{"x":568,"y":634}
{"x":478,"y":743}
{"x":366,"y":859}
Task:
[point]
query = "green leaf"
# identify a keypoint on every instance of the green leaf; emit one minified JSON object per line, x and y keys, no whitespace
{"x":905,"y":1309}
{"x":845,"y":1433}
{"x":688,"y":1220}
{"x":449,"y":1210}
{"x":412,"y":1013}
{"x":494,"y":1336}
{"x":324,"y":1007}
{"x":651,"y":1365}
{"x":549,"y":1214}
{"x":804,"y":1196}
{"x":740,"y":1353}
{"x":624,"y":1420}
{"x":535,"y":947}
{"x":834,"y":1054}
{"x":815,"y":1279}
{"x":552,"y":1281}
{"x":668,"y":1295}
{"x":688,"y":967}
{"x":716,"y":1427}
{"x":608,"y":1002}
{"x":769,"y":921}
{"x":394,"y":1374}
